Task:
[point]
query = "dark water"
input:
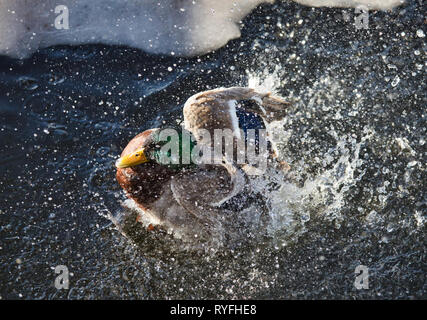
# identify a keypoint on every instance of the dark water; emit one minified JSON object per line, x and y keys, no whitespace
{"x":355,"y":138}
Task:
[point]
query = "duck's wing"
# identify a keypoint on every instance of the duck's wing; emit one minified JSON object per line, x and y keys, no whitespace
{"x":216,"y":109}
{"x":269,"y":104}
{"x":203,"y":189}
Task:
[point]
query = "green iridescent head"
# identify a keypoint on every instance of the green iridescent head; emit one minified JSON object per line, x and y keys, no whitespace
{"x":170,"y":147}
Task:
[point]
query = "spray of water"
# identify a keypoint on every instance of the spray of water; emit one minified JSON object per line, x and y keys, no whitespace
{"x":292,"y":204}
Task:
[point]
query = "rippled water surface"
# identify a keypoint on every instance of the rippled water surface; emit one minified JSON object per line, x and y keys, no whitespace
{"x":354,"y":137}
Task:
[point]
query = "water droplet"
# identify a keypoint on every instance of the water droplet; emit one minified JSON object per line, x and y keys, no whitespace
{"x":305,"y":217}
{"x":395,"y":81}
{"x":103,"y":151}
{"x":28,"y":83}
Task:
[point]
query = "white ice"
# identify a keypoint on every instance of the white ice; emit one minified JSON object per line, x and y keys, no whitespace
{"x":172,"y":27}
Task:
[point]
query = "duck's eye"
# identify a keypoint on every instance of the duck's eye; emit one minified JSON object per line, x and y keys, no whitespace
{"x":137,"y":155}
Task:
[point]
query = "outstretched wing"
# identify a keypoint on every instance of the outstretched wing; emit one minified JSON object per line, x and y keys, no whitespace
{"x":216,"y":109}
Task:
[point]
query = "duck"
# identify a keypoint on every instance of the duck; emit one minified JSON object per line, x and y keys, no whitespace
{"x":197,"y":200}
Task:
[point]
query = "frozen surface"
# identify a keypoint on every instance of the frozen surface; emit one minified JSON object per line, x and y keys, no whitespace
{"x":172,"y":27}
{"x":370,"y":4}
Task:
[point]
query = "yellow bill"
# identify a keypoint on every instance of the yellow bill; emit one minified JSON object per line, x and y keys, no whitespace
{"x":132,"y":159}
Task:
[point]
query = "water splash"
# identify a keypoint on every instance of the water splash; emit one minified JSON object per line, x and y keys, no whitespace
{"x":266,"y":81}
{"x":293,"y":204}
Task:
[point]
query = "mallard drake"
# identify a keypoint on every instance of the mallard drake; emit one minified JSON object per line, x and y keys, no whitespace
{"x":195,"y":200}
